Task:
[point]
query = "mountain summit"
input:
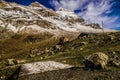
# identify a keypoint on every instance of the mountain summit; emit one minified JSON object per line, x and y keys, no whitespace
{"x":65,"y":12}
{"x":36,"y":4}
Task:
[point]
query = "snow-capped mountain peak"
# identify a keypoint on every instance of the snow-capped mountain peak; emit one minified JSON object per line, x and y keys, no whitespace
{"x":64,"y":12}
{"x":36,"y":4}
{"x":36,"y":19}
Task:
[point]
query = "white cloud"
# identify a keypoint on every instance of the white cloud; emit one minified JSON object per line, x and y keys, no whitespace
{"x":95,"y":13}
{"x":95,"y":10}
{"x":68,"y":4}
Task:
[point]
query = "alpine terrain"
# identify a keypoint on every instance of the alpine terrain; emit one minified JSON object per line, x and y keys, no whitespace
{"x":37,"y":43}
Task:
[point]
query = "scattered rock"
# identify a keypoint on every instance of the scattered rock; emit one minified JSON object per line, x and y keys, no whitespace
{"x":96,"y":61}
{"x":84,"y":43}
{"x":116,"y":63}
{"x":111,"y":37}
{"x":32,"y":51}
{"x":64,"y":61}
{"x":31,"y":55}
{"x":41,"y":58}
{"x":72,"y":48}
{"x":66,"y":39}
{"x":58,"y":47}
{"x":11,"y":62}
{"x":21,"y":61}
{"x":114,"y":59}
{"x":2,"y":77}
{"x":81,"y":49}
{"x":52,"y":52}
{"x":83,"y":35}
{"x":47,"y":50}
{"x":61,"y":41}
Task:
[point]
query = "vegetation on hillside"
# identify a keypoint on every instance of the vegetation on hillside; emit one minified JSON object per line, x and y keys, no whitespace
{"x":34,"y":48}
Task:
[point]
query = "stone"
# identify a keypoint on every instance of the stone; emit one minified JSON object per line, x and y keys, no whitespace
{"x":32,"y":55}
{"x":111,"y":37}
{"x":11,"y":62}
{"x":47,"y":50}
{"x":64,"y":61}
{"x":66,"y":39}
{"x":97,"y":60}
{"x":58,"y":47}
{"x":2,"y":77}
{"x":61,"y":41}
{"x":81,"y":49}
{"x":52,"y":52}
{"x":21,"y":61}
{"x":115,"y":63}
{"x":72,"y":48}
{"x":83,"y":35}
{"x":114,"y":59}
{"x":84,"y":43}
{"x":41,"y":58}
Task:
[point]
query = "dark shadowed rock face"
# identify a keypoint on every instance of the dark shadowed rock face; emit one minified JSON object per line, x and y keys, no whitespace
{"x":96,"y":61}
{"x":83,"y":35}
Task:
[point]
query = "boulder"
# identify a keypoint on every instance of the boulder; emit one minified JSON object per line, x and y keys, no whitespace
{"x":97,"y":60}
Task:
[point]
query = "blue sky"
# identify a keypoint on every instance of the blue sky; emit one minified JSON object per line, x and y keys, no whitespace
{"x":95,"y":11}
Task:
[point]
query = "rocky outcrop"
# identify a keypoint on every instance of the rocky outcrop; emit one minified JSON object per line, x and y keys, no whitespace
{"x":96,"y":61}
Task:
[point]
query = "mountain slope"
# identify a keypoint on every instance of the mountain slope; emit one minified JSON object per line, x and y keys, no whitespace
{"x":35,"y":33}
{"x":36,"y":18}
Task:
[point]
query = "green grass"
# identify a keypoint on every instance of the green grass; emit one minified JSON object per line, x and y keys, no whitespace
{"x":96,"y":43}
{"x":7,"y":72}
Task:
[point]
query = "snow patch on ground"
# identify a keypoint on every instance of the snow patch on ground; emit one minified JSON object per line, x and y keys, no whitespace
{"x":38,"y":67}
